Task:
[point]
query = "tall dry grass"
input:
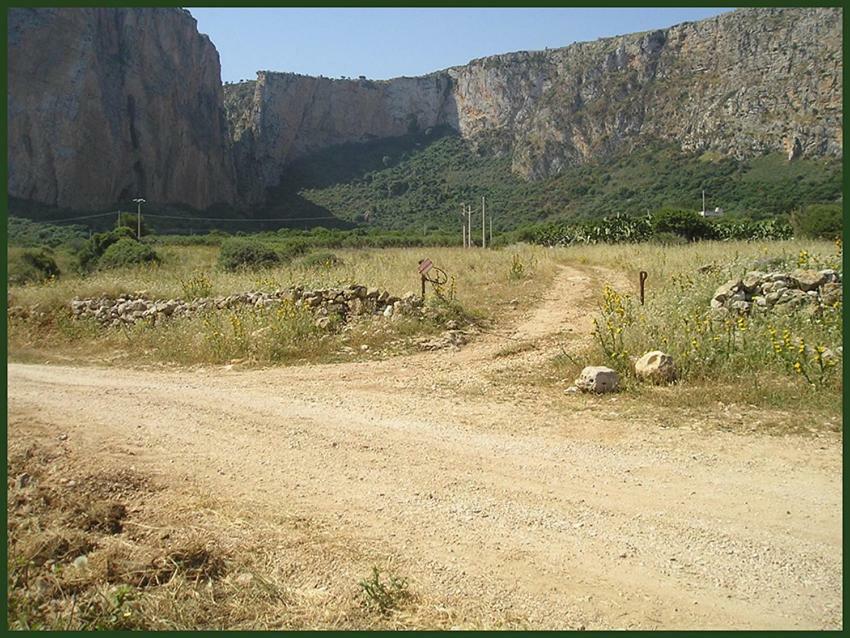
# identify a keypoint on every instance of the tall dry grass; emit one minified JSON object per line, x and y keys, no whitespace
{"x":480,"y":283}
{"x":775,"y":358}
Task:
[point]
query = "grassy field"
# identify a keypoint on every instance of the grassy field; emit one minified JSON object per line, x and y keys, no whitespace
{"x":480,"y":285}
{"x":783,"y":361}
{"x":775,"y":360}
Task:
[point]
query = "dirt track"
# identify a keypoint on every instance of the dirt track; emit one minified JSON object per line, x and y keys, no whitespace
{"x":489,"y":498}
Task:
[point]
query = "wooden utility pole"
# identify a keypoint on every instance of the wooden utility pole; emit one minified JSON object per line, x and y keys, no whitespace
{"x":463,"y":222}
{"x":469,"y":224}
{"x":483,"y":225}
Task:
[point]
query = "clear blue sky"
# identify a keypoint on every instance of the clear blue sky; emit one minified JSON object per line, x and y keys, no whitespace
{"x":386,"y":43}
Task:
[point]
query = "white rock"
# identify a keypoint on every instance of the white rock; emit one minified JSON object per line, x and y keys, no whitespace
{"x":656,"y":366}
{"x":598,"y":379}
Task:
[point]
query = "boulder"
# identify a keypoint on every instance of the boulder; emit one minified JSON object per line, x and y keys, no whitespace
{"x":741,"y":306}
{"x":598,"y":379}
{"x":806,"y":280}
{"x":831,"y":293}
{"x":725,"y":292}
{"x":656,"y":367}
{"x":791,"y":300}
{"x":831,"y":275}
{"x":752,"y":280}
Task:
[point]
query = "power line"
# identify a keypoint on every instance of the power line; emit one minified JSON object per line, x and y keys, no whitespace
{"x":71,"y":219}
{"x":241,"y":219}
{"x":194,"y":219}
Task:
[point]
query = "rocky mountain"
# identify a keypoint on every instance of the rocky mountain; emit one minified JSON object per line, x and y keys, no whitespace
{"x":108,"y":104}
{"x":741,"y":84}
{"x":105,"y":104}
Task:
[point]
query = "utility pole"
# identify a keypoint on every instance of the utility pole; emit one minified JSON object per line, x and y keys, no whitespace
{"x":463,"y":226}
{"x":703,"y":201}
{"x":469,"y":224}
{"x":139,"y":201}
{"x":491,"y":231}
{"x":463,"y":222}
{"x":483,"y":225}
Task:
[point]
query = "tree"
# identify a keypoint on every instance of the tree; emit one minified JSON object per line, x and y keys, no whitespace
{"x":818,"y":221}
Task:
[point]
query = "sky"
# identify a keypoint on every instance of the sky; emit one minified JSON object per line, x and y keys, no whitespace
{"x":387,"y":43}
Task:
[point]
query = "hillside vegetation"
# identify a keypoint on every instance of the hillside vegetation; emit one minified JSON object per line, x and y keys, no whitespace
{"x":422,"y":180}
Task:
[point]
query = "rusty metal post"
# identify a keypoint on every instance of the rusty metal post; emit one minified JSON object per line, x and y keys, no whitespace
{"x":643,"y":276}
{"x":423,"y":286}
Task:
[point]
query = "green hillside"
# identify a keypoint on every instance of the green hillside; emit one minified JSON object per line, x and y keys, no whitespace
{"x":422,"y":179}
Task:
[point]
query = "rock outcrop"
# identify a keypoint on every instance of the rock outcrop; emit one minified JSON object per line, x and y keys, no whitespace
{"x":742,"y":84}
{"x":109,"y":104}
{"x":281,"y":117}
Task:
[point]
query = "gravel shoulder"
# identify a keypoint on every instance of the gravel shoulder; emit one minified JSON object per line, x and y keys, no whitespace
{"x":498,"y":506}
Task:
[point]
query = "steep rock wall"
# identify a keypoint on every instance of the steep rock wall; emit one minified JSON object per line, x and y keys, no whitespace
{"x":742,"y":84}
{"x":108,"y":104}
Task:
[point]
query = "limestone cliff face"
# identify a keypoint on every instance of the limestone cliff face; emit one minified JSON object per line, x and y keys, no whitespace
{"x":741,"y":84}
{"x":745,"y":83}
{"x":108,"y":104}
{"x":283,"y":116}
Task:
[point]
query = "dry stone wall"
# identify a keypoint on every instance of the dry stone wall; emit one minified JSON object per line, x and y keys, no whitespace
{"x":779,"y":291}
{"x":352,"y":302}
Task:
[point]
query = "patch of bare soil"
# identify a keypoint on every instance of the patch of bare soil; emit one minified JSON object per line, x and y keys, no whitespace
{"x":494,"y":507}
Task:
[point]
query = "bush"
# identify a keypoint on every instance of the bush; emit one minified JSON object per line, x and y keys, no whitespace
{"x":685,"y":223}
{"x":95,"y":247}
{"x":129,"y":220}
{"x":321,"y":260}
{"x":127,"y":252}
{"x":818,"y":221}
{"x":246,"y":254}
{"x":32,"y":266}
{"x":25,"y":232}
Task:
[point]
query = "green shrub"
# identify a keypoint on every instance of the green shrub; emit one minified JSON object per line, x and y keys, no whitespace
{"x":25,"y":232}
{"x":291,"y":250}
{"x":130,"y":221}
{"x":127,"y":252}
{"x":685,"y":223}
{"x":239,"y":253}
{"x":322,"y":259}
{"x":818,"y":221}
{"x":94,"y":248}
{"x":32,"y":266}
{"x":384,"y":596}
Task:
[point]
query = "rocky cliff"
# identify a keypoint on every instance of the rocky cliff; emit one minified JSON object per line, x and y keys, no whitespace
{"x":109,"y":104}
{"x":281,"y":117}
{"x":742,"y":84}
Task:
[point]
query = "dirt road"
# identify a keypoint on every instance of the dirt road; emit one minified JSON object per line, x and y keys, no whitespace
{"x":497,"y":503}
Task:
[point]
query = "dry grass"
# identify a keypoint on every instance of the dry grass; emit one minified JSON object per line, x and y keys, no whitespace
{"x":480,"y":282}
{"x":180,"y":560}
{"x":733,"y":362}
